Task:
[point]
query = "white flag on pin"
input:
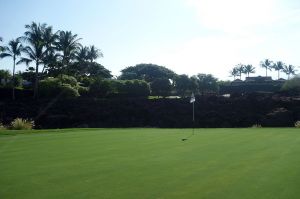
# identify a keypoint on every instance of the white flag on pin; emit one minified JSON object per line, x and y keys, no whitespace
{"x":192,"y":100}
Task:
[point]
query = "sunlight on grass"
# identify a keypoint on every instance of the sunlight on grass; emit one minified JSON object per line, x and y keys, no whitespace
{"x":249,"y":163}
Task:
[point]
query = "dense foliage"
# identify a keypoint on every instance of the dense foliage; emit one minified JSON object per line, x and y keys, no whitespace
{"x":147,"y":72}
{"x":119,"y":88}
{"x":62,"y":88}
{"x":52,"y":54}
{"x":292,"y":85}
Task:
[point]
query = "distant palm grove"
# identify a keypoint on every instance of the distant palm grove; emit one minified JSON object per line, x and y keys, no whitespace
{"x":58,"y":65}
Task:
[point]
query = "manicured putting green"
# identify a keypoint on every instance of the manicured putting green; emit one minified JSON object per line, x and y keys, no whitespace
{"x":249,"y":163}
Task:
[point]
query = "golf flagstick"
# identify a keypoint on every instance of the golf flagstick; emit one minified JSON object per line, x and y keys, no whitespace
{"x":192,"y":100}
{"x":193,"y":112}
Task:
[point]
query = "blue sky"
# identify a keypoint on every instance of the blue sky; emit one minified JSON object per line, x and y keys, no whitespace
{"x":187,"y":36}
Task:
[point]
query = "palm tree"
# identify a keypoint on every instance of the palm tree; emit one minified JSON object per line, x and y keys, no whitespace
{"x":290,"y":69}
{"x":249,"y":69}
{"x":241,"y":69}
{"x":13,"y":50}
{"x":94,"y":53}
{"x":35,"y":50}
{"x":267,"y":64}
{"x":51,"y":63}
{"x":67,"y":44}
{"x":278,"y":66}
{"x":50,"y":39}
{"x":234,"y":72}
{"x":82,"y":54}
{"x":85,"y":57}
{"x":81,"y":65}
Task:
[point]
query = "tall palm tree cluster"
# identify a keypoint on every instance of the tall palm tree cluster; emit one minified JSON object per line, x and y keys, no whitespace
{"x":267,"y":64}
{"x":13,"y":50}
{"x":52,"y":53}
{"x":240,"y":69}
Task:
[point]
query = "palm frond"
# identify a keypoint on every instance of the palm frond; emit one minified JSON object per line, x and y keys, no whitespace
{"x":3,"y":55}
{"x":24,"y":60}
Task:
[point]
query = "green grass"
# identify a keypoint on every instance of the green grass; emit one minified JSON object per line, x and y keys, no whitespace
{"x":150,"y":163}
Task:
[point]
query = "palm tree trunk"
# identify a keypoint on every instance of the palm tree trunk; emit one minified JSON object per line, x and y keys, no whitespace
{"x":43,"y":69}
{"x":62,"y":70}
{"x":266,"y":72}
{"x":35,"y":95}
{"x":61,"y":74}
{"x":278,"y":74}
{"x":13,"y":79}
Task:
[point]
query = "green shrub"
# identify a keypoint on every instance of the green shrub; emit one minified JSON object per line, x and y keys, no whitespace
{"x":133,"y":88}
{"x":297,"y":124}
{"x":49,"y":87}
{"x":83,"y":91}
{"x":21,"y":124}
{"x":86,"y":81}
{"x":161,"y":87}
{"x":101,"y":88}
{"x":121,"y":88}
{"x":140,"y":88}
{"x":67,"y":91}
{"x":292,"y":85}
{"x":52,"y":87}
{"x":65,"y":79}
{"x":5,"y":77}
{"x":2,"y":127}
